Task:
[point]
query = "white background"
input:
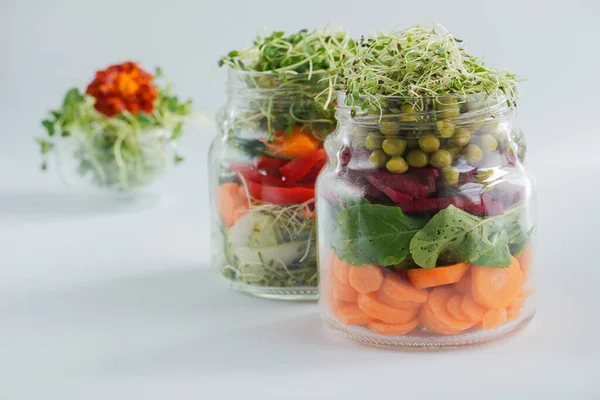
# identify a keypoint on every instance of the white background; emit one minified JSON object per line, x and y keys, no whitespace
{"x":99,"y":301}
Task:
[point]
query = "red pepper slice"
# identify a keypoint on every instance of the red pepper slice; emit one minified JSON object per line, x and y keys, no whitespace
{"x":270,"y":177}
{"x":265,"y":162}
{"x":280,"y":195}
{"x":312,"y":175}
{"x":301,"y":166}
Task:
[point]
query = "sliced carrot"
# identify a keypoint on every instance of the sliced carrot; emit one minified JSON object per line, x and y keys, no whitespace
{"x":344,"y":292}
{"x":472,"y":309}
{"x":437,"y":303}
{"x":512,"y":313}
{"x":464,"y":285}
{"x":385,"y":329}
{"x":341,"y":269}
{"x":366,"y":278}
{"x":497,"y":287}
{"x":375,"y":308}
{"x":454,"y":308}
{"x":423,"y":278}
{"x":525,"y":262}
{"x":297,"y":144}
{"x":350,"y":314}
{"x":397,"y":287}
{"x":230,"y":203}
{"x":494,"y":317}
{"x":391,"y":301}
{"x":429,"y":321}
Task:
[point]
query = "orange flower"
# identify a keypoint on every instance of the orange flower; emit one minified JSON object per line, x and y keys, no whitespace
{"x":123,"y":87}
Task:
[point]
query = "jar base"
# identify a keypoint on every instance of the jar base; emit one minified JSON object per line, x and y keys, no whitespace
{"x":303,"y":293}
{"x":420,"y":340}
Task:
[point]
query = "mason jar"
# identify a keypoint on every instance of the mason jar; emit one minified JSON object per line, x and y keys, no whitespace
{"x":426,"y":218}
{"x":263,"y":166}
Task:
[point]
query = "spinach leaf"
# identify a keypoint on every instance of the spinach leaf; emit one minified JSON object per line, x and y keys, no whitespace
{"x":374,"y":234}
{"x":476,"y":240}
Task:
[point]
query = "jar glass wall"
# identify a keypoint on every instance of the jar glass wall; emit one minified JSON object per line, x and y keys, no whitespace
{"x":263,"y":168}
{"x":426,"y":216}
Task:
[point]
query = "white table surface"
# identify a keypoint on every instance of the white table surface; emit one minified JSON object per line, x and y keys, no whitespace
{"x":103,"y":301}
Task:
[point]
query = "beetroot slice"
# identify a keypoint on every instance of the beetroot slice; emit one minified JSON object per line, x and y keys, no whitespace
{"x":422,"y":206}
{"x":395,"y":195}
{"x":490,"y":206}
{"x":427,"y":175}
{"x":400,"y":182}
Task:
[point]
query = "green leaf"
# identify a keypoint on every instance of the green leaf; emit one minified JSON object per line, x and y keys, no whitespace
{"x":49,"y":125}
{"x":177,"y":159}
{"x":145,"y":120}
{"x":233,"y":53}
{"x":45,"y":146}
{"x":454,"y":231}
{"x":499,"y":253}
{"x":177,"y":131}
{"x":374,"y":234}
{"x":72,"y":97}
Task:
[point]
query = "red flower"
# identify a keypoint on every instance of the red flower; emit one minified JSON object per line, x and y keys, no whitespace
{"x":123,"y":87}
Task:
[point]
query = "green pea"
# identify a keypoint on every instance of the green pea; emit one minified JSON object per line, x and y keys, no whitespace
{"x":412,"y":143}
{"x":394,"y":147}
{"x":472,"y":153}
{"x":450,"y":176}
{"x":408,"y":113}
{"x":445,"y":128}
{"x":461,"y":137}
{"x":373,"y":142}
{"x":397,"y":165}
{"x":417,"y":158}
{"x":378,"y":158}
{"x":440,"y":159}
{"x":429,"y":143}
{"x":448,"y":107}
{"x":389,"y":128}
{"x":487,"y":143}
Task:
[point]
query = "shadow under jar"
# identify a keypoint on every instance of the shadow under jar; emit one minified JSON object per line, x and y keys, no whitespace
{"x":263,"y":168}
{"x":426,"y":215}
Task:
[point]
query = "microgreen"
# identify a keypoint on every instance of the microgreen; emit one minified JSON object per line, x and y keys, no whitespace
{"x":422,"y":61}
{"x":296,"y":67}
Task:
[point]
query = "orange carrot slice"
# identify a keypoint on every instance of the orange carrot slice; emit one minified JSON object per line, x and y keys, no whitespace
{"x":512,"y":313}
{"x":494,"y":317}
{"x":230,"y":203}
{"x":437,"y":302}
{"x":525,"y":260}
{"x":350,"y":314}
{"x":341,"y":269}
{"x":454,"y":308}
{"x":464,"y":285}
{"x":366,"y":278}
{"x":471,"y":309}
{"x":396,"y":287}
{"x":423,"y":278}
{"x":375,"y":308}
{"x":344,"y":292}
{"x":297,"y":144}
{"x":385,"y":329}
{"x":497,"y":287}
{"x":429,"y":321}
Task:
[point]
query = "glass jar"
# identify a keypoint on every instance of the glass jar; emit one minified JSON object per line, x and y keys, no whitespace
{"x":98,"y":162}
{"x":263,"y":167}
{"x":426,"y":215}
